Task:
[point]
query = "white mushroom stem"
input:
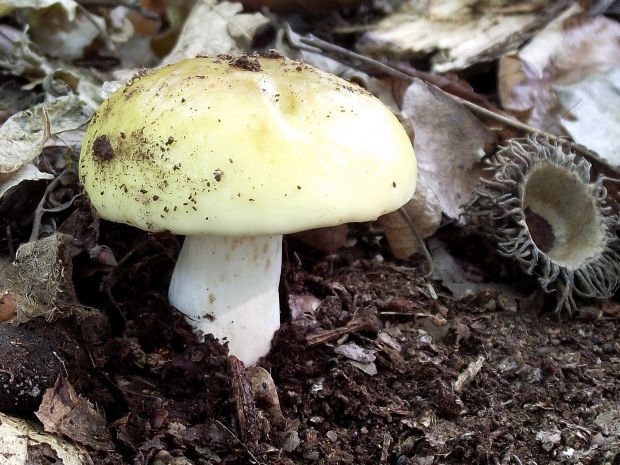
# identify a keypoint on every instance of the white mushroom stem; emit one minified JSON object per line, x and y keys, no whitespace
{"x":228,"y":286}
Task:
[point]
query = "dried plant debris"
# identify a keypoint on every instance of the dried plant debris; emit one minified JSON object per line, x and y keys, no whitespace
{"x":41,"y":278}
{"x":542,"y":210}
{"x":64,"y":411}
{"x":455,"y":33}
{"x":24,"y":443}
{"x":23,"y":135}
{"x":568,"y":50}
{"x":594,"y":116}
{"x":449,"y":144}
{"x":214,"y":28}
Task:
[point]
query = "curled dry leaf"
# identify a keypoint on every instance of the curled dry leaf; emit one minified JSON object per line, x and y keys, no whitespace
{"x":566,"y":51}
{"x":23,"y":135}
{"x":212,"y":29}
{"x":60,"y":37}
{"x":68,"y":6}
{"x":449,"y":145}
{"x":455,"y":33}
{"x":424,"y":210}
{"x":24,"y":443}
{"x":65,"y":412}
{"x":266,"y":393}
{"x":593,"y":117}
{"x":324,"y":239}
{"x":26,"y":173}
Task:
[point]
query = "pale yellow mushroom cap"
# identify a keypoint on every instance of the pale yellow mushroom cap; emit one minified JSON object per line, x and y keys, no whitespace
{"x":244,"y":147}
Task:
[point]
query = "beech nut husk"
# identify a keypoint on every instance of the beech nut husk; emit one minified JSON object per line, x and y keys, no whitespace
{"x":542,"y":210}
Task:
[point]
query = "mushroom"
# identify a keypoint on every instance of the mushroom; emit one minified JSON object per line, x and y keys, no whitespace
{"x":542,"y":211}
{"x":234,"y":152}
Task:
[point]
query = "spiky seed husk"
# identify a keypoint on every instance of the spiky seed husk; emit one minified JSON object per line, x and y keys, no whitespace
{"x":532,"y":173}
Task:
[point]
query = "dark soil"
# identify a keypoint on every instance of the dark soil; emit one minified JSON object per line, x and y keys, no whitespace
{"x":547,"y":391}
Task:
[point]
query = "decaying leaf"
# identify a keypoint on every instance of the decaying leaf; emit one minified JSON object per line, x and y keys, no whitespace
{"x":26,"y":173}
{"x":424,"y":210}
{"x":17,"y":55}
{"x":296,"y":6}
{"x":23,"y":135}
{"x":456,"y":33}
{"x":24,"y":443}
{"x":42,"y":276}
{"x":449,"y":145}
{"x":65,"y":412}
{"x":324,"y":239}
{"x":60,"y":37}
{"x":212,"y":29}
{"x":68,"y":6}
{"x":570,"y":48}
{"x":594,"y":113}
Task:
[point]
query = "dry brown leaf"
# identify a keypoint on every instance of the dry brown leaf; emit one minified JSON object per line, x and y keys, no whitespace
{"x":65,"y":412}
{"x":569,"y":49}
{"x":213,"y":28}
{"x":449,"y":144}
{"x":24,"y":443}
{"x":324,"y":239}
{"x":425,"y":212}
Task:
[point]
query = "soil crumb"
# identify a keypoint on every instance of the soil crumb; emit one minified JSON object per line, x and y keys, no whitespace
{"x":246,"y":62}
{"x":102,"y":150}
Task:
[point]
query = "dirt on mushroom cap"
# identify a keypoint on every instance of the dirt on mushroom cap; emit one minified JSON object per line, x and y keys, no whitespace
{"x":194,"y":141}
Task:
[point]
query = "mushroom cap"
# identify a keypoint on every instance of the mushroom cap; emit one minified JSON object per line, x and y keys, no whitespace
{"x":244,"y":146}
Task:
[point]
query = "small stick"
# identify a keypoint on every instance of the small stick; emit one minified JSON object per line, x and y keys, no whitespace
{"x":357,"y":324}
{"x":244,"y":399}
{"x":468,"y":374}
{"x":247,"y":449}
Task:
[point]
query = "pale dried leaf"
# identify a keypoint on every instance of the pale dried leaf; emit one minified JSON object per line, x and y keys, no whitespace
{"x":568,"y":50}
{"x":354,"y":352}
{"x":21,"y":439}
{"x":449,"y":145}
{"x":22,"y":136}
{"x":212,"y":29}
{"x":63,"y":38}
{"x":65,"y":412}
{"x":594,"y":118}
{"x":26,"y":173}
{"x":456,"y":33}
{"x":17,"y":55}
{"x":68,"y":6}
{"x":424,"y":210}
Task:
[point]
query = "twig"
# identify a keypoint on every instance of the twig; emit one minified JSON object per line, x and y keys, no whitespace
{"x":420,"y":241}
{"x":359,"y":323}
{"x":468,"y":374}
{"x":244,"y":399}
{"x":228,"y":430}
{"x":40,"y":210}
{"x":341,"y":52}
